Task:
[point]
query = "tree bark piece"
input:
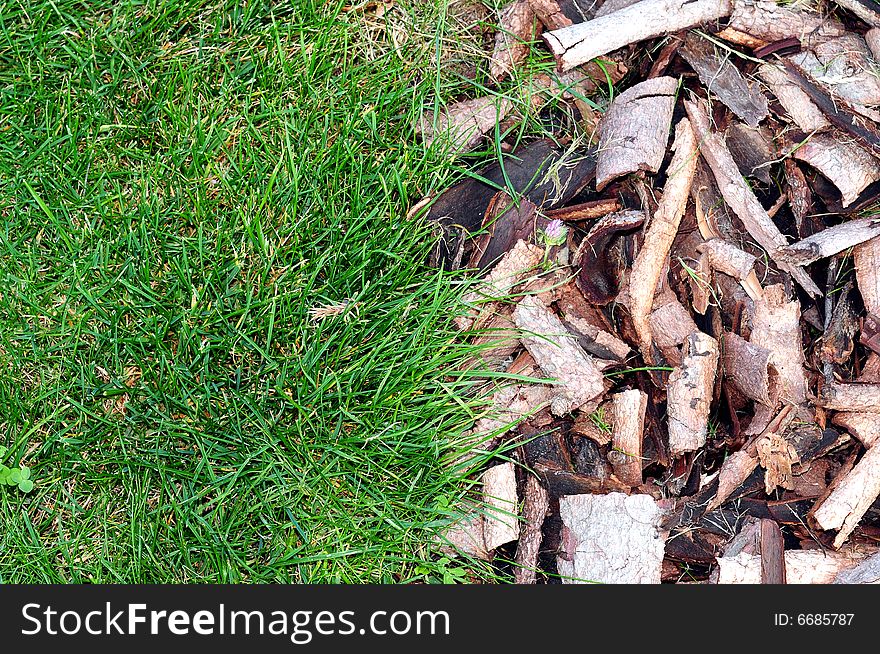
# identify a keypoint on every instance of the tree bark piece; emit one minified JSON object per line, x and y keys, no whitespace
{"x":873,"y":40}
{"x":801,"y":567}
{"x":628,"y":432}
{"x":748,"y":367}
{"x":832,"y":241}
{"x":768,"y":21}
{"x":730,"y":260}
{"x":851,"y":397}
{"x":724,"y":80}
{"x":513,"y":268}
{"x":850,"y":168}
{"x":652,"y":258}
{"x":670,"y":322}
{"x":866,"y":572}
{"x":863,"y":425}
{"x":585,"y":210}
{"x":793,"y":99}
{"x":555,"y":14}
{"x":776,"y":327}
{"x":557,"y":353}
{"x":867,"y":261}
{"x":776,"y":455}
{"x":634,"y":132}
{"x":592,"y":258}
{"x":463,"y":124}
{"x":516,"y":28}
{"x":739,"y":196}
{"x":867,"y":10}
{"x":643,"y":20}
{"x":845,"y":66}
{"x":612,"y":539}
{"x":536,"y":501}
{"x":751,"y":149}
{"x":852,"y":497}
{"x":499,"y":494}
{"x":689,"y":394}
{"x":772,"y":553}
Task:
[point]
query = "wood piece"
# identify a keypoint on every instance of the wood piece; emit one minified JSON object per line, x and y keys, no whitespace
{"x":465,"y":536}
{"x":769,"y":22}
{"x":870,"y":336}
{"x":867,"y":10}
{"x":461,"y":126}
{"x":843,"y":65}
{"x":772,"y":553}
{"x":583,"y":320}
{"x":628,"y":431}
{"x":670,"y":322}
{"x":610,"y":6}
{"x":848,"y":502}
{"x":800,"y":196}
{"x":612,"y":539}
{"x":739,"y":196}
{"x":776,"y":455}
{"x":536,"y":501}
{"x":504,"y":223}
{"x":689,"y":394}
{"x":748,"y":367}
{"x":849,"y":167}
{"x":577,"y":378}
{"x":751,"y":149}
{"x":793,"y":99}
{"x":634,"y":131}
{"x":499,"y":494}
{"x":595,"y":279}
{"x":723,"y":79}
{"x":585,"y":210}
{"x":863,"y":425}
{"x":851,"y":397}
{"x":727,"y":258}
{"x":867,"y":261}
{"x":872,"y":37}
{"x":801,"y":567}
{"x":564,"y":482}
{"x":651,"y":260}
{"x":513,"y":268}
{"x":555,"y":14}
{"x":516,"y":28}
{"x":643,"y":20}
{"x":866,"y":572}
{"x":832,"y":241}
{"x":776,"y":327}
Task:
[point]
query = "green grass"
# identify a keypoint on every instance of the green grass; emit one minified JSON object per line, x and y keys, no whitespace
{"x":181,"y":183}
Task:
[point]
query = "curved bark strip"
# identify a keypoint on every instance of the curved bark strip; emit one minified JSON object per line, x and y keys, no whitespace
{"x":851,"y":397}
{"x":730,"y":260}
{"x":846,"y":67}
{"x":643,"y":20}
{"x":867,"y":10}
{"x":863,"y":425}
{"x":768,"y":21}
{"x":776,"y":327}
{"x":635,"y":130}
{"x":801,"y":567}
{"x":499,"y":494}
{"x":752,"y":150}
{"x":739,"y":196}
{"x":463,"y":124}
{"x":748,"y":367}
{"x":867,"y":260}
{"x":793,"y":99}
{"x":627,"y":433}
{"x":850,"y":168}
{"x":689,"y":394}
{"x":535,"y":505}
{"x":611,"y":539}
{"x":724,"y":80}
{"x":832,"y":241}
{"x":578,"y":379}
{"x":851,"y":498}
{"x":516,"y":28}
{"x":651,"y":260}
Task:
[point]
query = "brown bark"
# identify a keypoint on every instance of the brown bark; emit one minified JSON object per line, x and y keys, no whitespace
{"x":769,"y":22}
{"x":499,"y":495}
{"x":867,"y":10}
{"x":536,"y":501}
{"x":851,"y":397}
{"x":661,"y":232}
{"x":843,"y":65}
{"x":748,"y":368}
{"x":801,"y":567}
{"x":848,"y":502}
{"x":739,"y":196}
{"x":516,"y":28}
{"x":751,"y":149}
{"x":863,"y":425}
{"x":629,"y":424}
{"x":730,"y":260}
{"x":803,"y":112}
{"x":867,"y":261}
{"x":832,"y":241}
{"x":461,"y":126}
{"x":643,"y":20}
{"x":634,"y":132}
{"x":689,"y":394}
{"x":670,"y":322}
{"x":723,"y":79}
{"x":555,"y":14}
{"x":772,"y":553}
{"x":585,"y":211}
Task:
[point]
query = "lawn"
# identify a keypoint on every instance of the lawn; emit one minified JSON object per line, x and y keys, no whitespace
{"x":221,"y":355}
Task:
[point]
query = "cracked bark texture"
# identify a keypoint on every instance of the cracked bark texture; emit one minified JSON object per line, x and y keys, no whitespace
{"x":689,"y":394}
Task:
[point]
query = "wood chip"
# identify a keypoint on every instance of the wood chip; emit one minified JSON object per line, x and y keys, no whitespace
{"x":689,"y":394}
{"x":849,"y":167}
{"x":848,"y":502}
{"x":867,"y":261}
{"x":724,"y":80}
{"x":499,"y":495}
{"x":776,"y":327}
{"x":748,"y":367}
{"x":661,"y":232}
{"x":634,"y":132}
{"x":628,"y":431}
{"x":776,"y":455}
{"x":772,"y":553}
{"x":577,"y":378}
{"x":461,"y":126}
{"x":768,"y":21}
{"x":867,"y":10}
{"x":851,"y":397}
{"x":643,"y":20}
{"x":725,"y":257}
{"x":739,"y":196}
{"x":832,"y":241}
{"x":555,"y":14}
{"x":845,"y":66}
{"x":863,"y":425}
{"x":793,"y":99}
{"x":536,"y":501}
{"x":516,"y":28}
{"x":612,"y":539}
{"x":801,"y":567}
